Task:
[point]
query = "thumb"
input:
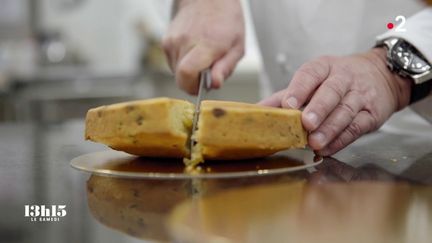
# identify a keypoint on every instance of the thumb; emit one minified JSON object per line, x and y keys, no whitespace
{"x":274,"y":100}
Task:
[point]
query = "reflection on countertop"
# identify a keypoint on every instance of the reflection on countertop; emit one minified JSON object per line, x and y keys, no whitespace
{"x":304,"y":212}
{"x":333,"y":203}
{"x":136,"y":207}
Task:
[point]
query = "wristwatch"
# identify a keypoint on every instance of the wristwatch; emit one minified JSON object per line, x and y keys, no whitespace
{"x":405,"y":60}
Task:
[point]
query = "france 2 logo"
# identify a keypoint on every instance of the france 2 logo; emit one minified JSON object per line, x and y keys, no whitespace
{"x":44,"y":213}
{"x":400,"y":26}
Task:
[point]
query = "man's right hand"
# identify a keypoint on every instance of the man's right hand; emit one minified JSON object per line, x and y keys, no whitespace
{"x":205,"y":33}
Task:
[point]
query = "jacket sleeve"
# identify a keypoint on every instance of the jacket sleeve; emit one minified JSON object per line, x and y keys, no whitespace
{"x":418,"y":32}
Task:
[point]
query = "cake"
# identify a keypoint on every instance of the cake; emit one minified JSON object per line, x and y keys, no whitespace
{"x":157,"y":127}
{"x":233,"y":130}
{"x":161,"y":127}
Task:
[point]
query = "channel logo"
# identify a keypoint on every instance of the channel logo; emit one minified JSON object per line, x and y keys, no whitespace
{"x":44,"y":213}
{"x":400,"y":21}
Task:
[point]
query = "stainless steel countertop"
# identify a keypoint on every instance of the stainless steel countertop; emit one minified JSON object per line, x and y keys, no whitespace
{"x":34,"y":169}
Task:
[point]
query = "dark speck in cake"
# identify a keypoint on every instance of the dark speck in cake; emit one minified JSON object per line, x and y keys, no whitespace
{"x":218,"y":112}
{"x":140,"y":222}
{"x":139,"y":120}
{"x":129,"y":108}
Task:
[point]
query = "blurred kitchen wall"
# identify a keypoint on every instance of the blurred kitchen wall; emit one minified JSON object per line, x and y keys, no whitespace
{"x":107,"y":32}
{"x":60,"y":57}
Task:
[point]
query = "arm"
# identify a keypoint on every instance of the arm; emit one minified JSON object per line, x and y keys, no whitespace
{"x":418,"y":33}
{"x":346,"y":97}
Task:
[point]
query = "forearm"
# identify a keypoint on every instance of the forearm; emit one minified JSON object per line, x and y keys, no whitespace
{"x":177,"y":4}
{"x":418,"y":33}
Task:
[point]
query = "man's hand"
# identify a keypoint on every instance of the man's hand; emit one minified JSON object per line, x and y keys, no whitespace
{"x":205,"y":33}
{"x":345,"y":98}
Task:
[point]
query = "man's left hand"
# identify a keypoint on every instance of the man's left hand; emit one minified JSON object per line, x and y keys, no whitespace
{"x":344,"y":97}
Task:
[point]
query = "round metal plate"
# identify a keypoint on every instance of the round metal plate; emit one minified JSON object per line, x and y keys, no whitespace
{"x":120,"y":164}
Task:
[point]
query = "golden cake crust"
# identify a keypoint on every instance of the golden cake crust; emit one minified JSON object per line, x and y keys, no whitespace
{"x":156,"y":127}
{"x":234,"y":130}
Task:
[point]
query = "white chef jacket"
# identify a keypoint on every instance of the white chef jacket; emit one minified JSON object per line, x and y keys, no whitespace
{"x":291,"y":32}
{"x":418,"y":31}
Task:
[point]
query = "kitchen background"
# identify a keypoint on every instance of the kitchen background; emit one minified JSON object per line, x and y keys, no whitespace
{"x":60,"y":57}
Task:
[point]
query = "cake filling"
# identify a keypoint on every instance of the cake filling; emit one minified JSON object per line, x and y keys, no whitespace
{"x":196,"y":156}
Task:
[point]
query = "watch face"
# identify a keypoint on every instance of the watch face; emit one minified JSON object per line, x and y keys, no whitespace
{"x":408,"y":59}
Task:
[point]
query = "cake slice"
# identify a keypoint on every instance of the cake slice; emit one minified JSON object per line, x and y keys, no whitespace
{"x":157,"y":127}
{"x":233,"y":130}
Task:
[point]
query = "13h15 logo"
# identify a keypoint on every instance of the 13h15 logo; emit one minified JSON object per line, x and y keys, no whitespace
{"x":44,"y":213}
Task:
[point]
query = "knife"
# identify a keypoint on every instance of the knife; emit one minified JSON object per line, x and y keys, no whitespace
{"x":204,"y":86}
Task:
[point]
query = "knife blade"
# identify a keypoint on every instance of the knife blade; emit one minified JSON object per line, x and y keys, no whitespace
{"x":204,"y":86}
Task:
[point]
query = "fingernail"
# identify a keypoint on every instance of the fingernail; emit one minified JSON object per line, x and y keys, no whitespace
{"x":292,"y":102}
{"x":318,"y":138}
{"x":312,"y":118}
{"x":219,"y":80}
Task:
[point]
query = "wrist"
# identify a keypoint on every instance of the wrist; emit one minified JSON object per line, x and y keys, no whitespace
{"x":182,"y":3}
{"x":400,"y":86}
{"x":179,"y":4}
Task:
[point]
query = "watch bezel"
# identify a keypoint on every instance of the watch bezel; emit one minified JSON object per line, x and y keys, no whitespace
{"x":397,"y":66}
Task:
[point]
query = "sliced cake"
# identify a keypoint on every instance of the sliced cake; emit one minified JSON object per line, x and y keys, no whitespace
{"x":233,"y":130}
{"x":157,"y":127}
